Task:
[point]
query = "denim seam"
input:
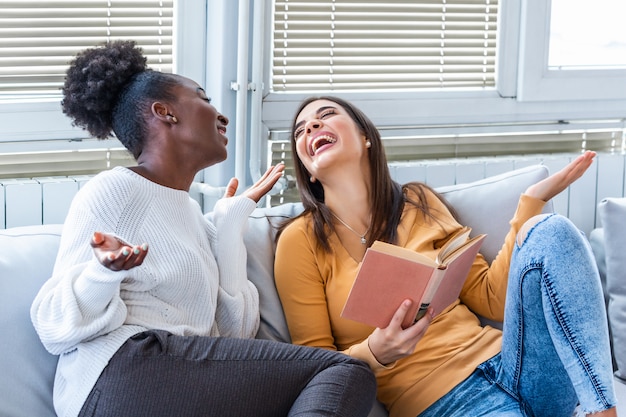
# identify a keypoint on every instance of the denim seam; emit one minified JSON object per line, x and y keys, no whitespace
{"x":520,"y":330}
{"x":556,"y":306}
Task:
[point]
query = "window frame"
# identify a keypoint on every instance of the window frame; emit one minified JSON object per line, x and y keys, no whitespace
{"x":538,"y":82}
{"x":27,"y":121}
{"x":508,"y":103}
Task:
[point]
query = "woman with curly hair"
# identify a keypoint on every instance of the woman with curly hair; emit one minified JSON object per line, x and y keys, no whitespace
{"x":149,"y":306}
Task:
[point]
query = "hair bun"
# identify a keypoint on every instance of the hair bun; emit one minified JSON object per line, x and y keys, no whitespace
{"x":94,"y":81}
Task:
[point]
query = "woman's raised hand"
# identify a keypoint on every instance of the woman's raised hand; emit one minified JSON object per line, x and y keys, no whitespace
{"x":116,"y":255}
{"x":393,"y":342}
{"x":261,"y":187}
{"x":559,"y":181}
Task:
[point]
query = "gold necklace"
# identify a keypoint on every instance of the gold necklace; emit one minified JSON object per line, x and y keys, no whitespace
{"x":362,"y":236}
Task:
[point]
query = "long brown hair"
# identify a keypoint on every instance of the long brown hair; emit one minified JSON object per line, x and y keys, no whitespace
{"x":387,"y":197}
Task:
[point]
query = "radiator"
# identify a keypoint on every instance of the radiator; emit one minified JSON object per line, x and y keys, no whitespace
{"x":34,"y":201}
{"x":46,"y":200}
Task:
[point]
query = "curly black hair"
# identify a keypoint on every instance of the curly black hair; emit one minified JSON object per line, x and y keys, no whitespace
{"x":109,"y":89}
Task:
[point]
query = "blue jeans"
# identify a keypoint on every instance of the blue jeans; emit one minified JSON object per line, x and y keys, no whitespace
{"x":555,"y":344}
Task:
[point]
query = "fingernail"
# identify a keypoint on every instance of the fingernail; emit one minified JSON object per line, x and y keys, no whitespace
{"x":125,"y":252}
{"x":111,"y":257}
{"x":144,"y":247}
{"x":136,"y":251}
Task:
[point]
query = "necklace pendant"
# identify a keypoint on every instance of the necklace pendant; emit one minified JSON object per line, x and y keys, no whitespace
{"x":363,"y":240}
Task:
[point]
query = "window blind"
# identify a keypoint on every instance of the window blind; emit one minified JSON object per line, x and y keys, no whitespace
{"x":348,"y":45}
{"x":39,"y":38}
{"x":62,"y":163}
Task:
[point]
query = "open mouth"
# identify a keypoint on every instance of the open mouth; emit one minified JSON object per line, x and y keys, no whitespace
{"x":319,"y":142}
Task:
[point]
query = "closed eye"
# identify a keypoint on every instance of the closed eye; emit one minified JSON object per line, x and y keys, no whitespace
{"x":298,"y":133}
{"x":203,"y":95}
{"x":328,"y":112}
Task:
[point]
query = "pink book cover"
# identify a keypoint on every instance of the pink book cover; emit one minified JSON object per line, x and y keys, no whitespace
{"x":382,"y":284}
{"x":384,"y":281}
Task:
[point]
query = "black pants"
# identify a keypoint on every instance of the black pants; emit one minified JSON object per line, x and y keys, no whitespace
{"x":158,"y":374}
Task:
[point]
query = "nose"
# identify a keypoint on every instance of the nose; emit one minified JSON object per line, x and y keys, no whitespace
{"x":223,"y":119}
{"x":312,"y":125}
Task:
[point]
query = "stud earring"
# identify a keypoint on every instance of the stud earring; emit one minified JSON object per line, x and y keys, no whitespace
{"x":172,"y":118}
{"x":368,"y":144}
{"x":312,"y":179}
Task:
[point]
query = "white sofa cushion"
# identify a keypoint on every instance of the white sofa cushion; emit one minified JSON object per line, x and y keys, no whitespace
{"x":27,"y":256}
{"x":260,"y":240}
{"x":612,"y":213}
{"x":488,"y":205}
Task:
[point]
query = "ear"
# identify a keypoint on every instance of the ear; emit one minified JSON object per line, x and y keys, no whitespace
{"x":162,"y":112}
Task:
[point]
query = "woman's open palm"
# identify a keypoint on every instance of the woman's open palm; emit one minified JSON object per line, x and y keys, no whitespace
{"x":549,"y":187}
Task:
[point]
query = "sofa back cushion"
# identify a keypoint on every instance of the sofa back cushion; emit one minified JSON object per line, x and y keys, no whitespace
{"x":27,"y":369}
{"x":488,"y":205}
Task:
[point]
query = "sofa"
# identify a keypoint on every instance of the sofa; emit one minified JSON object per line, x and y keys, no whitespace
{"x":27,"y":256}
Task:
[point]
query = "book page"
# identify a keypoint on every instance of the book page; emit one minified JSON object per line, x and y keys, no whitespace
{"x":403,"y":253}
{"x":456,"y":241}
{"x":449,"y":288}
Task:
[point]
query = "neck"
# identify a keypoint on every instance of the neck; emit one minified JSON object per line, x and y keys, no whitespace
{"x":349,"y":200}
{"x":164,"y":177}
{"x":351,"y":208}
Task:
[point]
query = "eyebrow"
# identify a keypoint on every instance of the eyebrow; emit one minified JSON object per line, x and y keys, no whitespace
{"x":320,"y":110}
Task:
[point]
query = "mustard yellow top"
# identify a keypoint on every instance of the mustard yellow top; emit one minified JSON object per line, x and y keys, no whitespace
{"x":313,"y":286}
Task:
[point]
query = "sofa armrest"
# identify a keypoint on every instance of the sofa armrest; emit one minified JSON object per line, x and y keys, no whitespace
{"x":26,"y":260}
{"x":612,"y":213}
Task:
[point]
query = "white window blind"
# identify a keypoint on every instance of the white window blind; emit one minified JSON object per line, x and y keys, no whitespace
{"x":67,"y":163}
{"x":39,"y":38}
{"x":341,"y":45}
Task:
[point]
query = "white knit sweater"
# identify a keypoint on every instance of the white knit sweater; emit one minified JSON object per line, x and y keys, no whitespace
{"x":192,"y":282}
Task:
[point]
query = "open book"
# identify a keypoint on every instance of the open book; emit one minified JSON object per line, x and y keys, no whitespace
{"x":390,"y":274}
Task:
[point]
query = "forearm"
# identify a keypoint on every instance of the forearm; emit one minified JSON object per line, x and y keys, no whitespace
{"x":76,"y":306}
{"x":230,"y":221}
{"x":237,"y":313}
